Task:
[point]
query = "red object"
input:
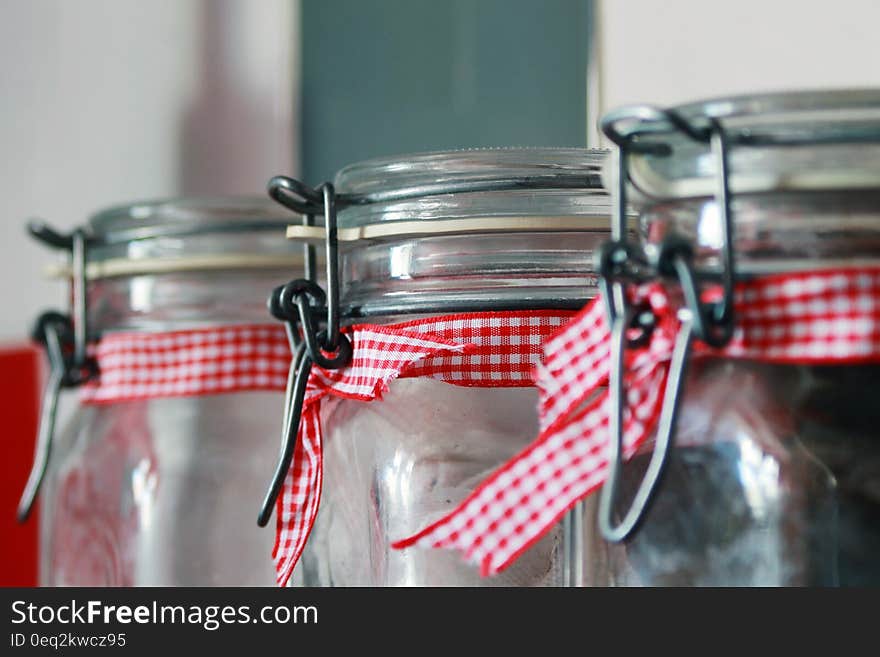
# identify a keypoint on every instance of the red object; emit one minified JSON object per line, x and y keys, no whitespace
{"x":20,"y":372}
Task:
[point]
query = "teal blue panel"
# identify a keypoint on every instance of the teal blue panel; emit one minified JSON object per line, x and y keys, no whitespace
{"x":383,"y":77}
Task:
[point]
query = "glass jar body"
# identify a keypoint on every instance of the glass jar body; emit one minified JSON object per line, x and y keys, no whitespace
{"x":396,"y":464}
{"x":161,"y":492}
{"x":165,"y":491}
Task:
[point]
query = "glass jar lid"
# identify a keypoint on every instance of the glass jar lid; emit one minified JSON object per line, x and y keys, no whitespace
{"x":793,"y":141}
{"x":459,"y":231}
{"x":487,"y":169}
{"x":469,"y":191}
{"x":184,"y":216}
{"x":188,"y":234}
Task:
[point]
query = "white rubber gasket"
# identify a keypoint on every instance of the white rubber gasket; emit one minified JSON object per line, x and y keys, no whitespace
{"x":464,"y":226}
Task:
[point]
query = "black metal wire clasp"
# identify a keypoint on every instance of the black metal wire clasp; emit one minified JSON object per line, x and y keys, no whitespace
{"x":713,"y":321}
{"x":55,"y":331}
{"x":77,"y":243}
{"x":65,"y":341}
{"x":670,"y":253}
{"x":710,"y":322}
{"x":717,"y":319}
{"x":298,"y":303}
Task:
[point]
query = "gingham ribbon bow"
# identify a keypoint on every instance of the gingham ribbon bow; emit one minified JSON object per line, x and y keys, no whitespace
{"x":823,"y":317}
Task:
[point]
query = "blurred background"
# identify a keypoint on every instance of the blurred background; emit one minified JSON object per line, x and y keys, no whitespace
{"x":112,"y":101}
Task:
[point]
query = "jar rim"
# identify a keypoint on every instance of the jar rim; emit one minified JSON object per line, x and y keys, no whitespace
{"x":184,"y":216}
{"x":803,"y":140}
{"x":779,"y":102}
{"x":409,"y":174}
{"x":187,"y":234}
{"x":489,"y":186}
{"x":467,"y":230}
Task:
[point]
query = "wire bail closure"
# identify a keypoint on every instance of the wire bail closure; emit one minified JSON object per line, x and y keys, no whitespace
{"x":65,"y":341}
{"x":298,"y":303}
{"x":619,"y":264}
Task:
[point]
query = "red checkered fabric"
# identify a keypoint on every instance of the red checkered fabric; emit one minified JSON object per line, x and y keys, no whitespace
{"x":185,"y":363}
{"x":828,"y":317}
{"x":479,"y":349}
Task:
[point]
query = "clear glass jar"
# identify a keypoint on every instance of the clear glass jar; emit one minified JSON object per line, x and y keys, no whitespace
{"x":394,"y":465}
{"x":774,"y":475}
{"x":165,"y":491}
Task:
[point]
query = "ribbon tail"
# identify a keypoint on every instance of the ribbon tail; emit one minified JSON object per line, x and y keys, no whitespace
{"x":364,"y":379}
{"x":527,"y":496}
{"x":516,"y":506}
{"x":575,"y":364}
{"x":297,"y":505}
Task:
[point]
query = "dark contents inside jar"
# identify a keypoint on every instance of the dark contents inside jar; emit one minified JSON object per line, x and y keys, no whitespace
{"x":774,"y":479}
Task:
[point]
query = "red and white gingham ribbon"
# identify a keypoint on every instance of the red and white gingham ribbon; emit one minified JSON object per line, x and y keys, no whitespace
{"x":479,"y":349}
{"x":205,"y":361}
{"x":823,"y":317}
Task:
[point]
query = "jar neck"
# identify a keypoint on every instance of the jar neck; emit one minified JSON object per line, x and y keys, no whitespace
{"x":486,"y":266}
{"x":184,"y":300}
{"x":774,"y":233}
{"x":458,"y":273}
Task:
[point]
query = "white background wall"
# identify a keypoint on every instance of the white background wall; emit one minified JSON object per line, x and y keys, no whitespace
{"x":109,"y":101}
{"x":669,"y":51}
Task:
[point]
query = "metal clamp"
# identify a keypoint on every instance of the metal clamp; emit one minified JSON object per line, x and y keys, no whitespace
{"x":620,"y":264}
{"x":77,"y":243}
{"x":298,"y":304}
{"x":65,"y":340}
{"x":714,"y":321}
{"x":624,"y":319}
{"x":55,"y":332}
